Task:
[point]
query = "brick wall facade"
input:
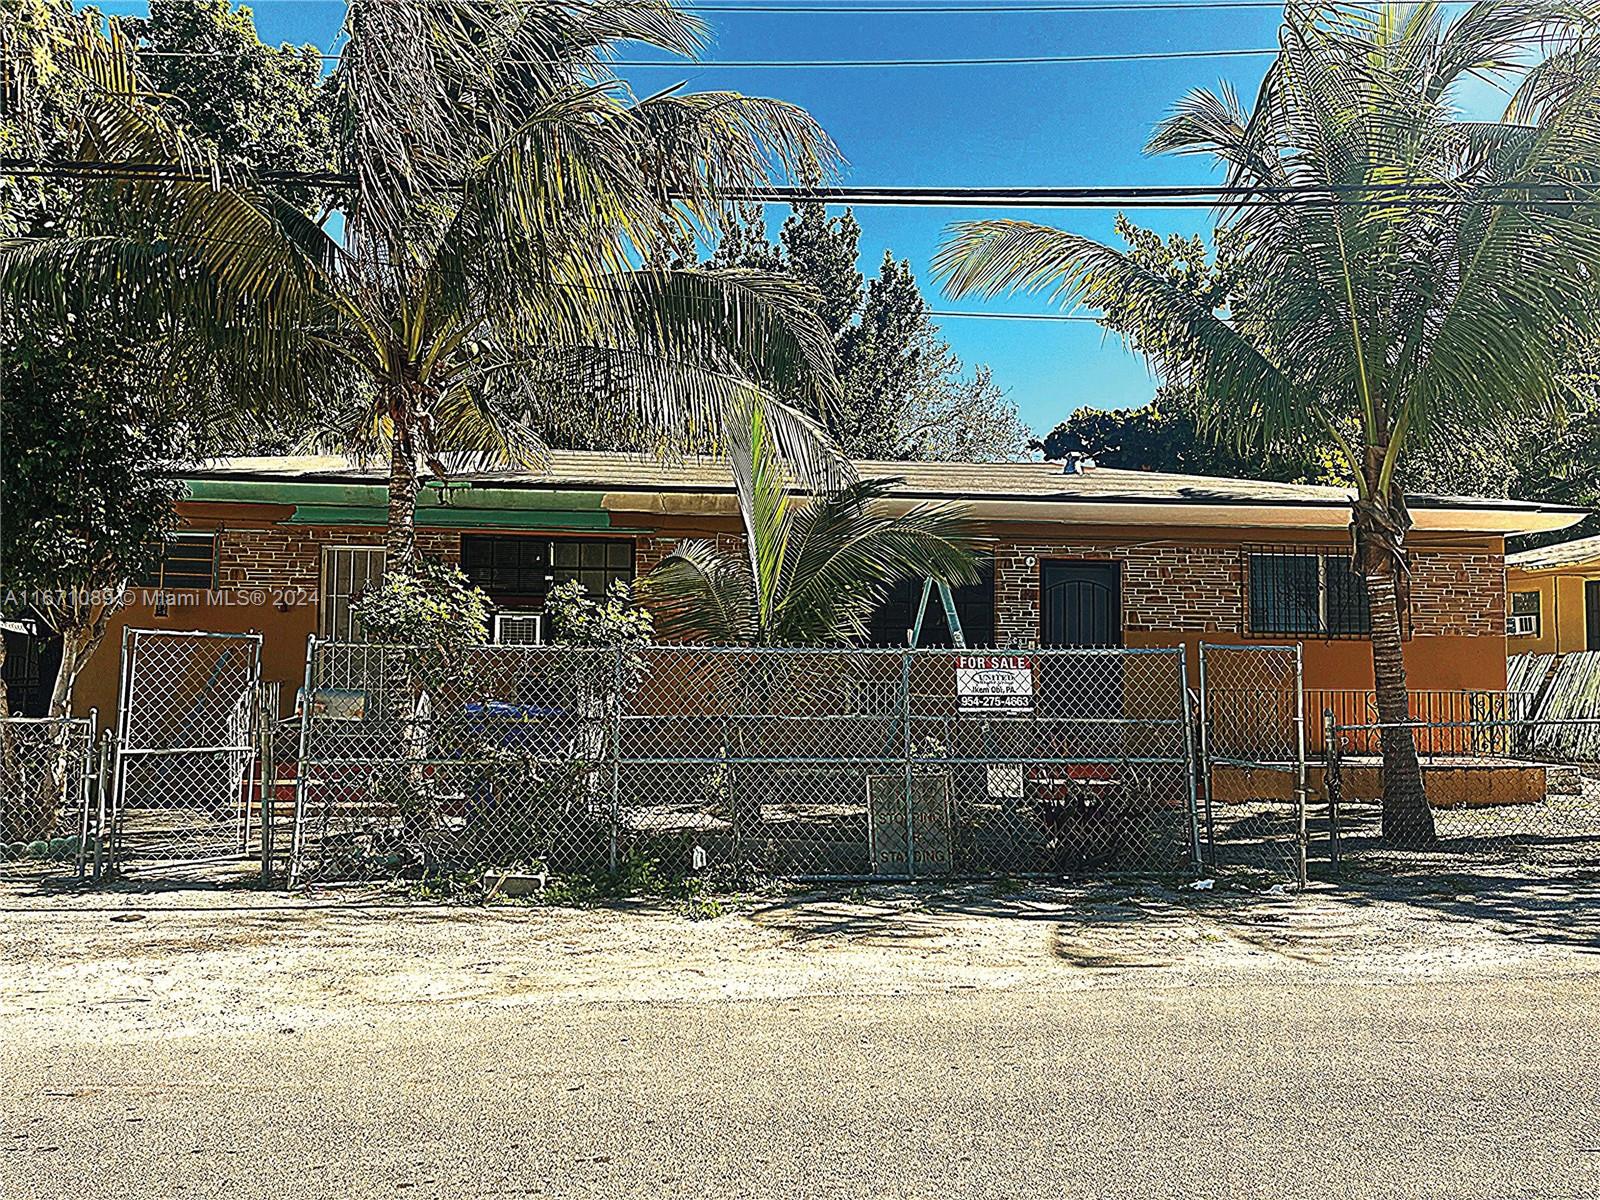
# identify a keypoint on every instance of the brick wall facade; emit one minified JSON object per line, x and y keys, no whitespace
{"x":288,"y":558}
{"x":1194,"y":588}
{"x":1200,"y":588}
{"x":1458,"y":593}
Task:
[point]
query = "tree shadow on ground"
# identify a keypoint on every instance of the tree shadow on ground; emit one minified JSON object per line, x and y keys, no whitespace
{"x":1146,"y":922}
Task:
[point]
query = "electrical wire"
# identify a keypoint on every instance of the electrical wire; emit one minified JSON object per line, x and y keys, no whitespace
{"x":780,"y":64}
{"x":1138,"y":196}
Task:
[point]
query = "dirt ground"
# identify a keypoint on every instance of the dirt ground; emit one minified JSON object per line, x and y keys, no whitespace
{"x":148,"y":960}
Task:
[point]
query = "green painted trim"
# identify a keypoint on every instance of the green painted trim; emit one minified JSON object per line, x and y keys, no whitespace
{"x":453,"y":518}
{"x":375,"y":495}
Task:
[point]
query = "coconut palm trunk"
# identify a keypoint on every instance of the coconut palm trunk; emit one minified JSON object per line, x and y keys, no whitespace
{"x":1379,"y":527}
{"x":1397,"y":276}
{"x":400,"y":538}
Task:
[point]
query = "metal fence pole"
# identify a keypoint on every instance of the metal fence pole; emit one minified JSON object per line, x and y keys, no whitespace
{"x":85,"y":772}
{"x":307,"y":703}
{"x":1189,"y":753}
{"x":267,"y":757}
{"x":1300,"y":788}
{"x":905,"y":709}
{"x":1203,"y":766}
{"x":1331,"y":783}
{"x":616,"y":753}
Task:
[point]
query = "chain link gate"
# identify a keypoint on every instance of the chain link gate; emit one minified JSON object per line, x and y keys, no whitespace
{"x":50,"y":781}
{"x":187,"y":741}
{"x":797,"y":762}
{"x":1252,"y":757}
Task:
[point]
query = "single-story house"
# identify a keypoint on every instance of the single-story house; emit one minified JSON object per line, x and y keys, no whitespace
{"x":1073,"y":557}
{"x":1555,"y":598}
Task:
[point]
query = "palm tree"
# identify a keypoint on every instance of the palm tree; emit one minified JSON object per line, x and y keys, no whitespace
{"x":487,"y":273}
{"x":1417,"y":282}
{"x":811,"y":566}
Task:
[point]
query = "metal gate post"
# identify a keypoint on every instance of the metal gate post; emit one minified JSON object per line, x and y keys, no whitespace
{"x":905,"y":710}
{"x":1331,"y":784}
{"x":1188,"y":753}
{"x":1300,"y":790}
{"x":1204,"y":764}
{"x":297,"y":839}
{"x":616,"y":753}
{"x":267,"y":758}
{"x":112,"y":832}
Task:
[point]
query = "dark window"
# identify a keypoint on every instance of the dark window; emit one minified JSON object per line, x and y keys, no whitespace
{"x":1307,"y":593}
{"x":1591,"y":604}
{"x":187,"y":560}
{"x":893,"y":620}
{"x":524,"y":569}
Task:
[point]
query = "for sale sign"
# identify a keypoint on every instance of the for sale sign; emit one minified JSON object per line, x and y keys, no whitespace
{"x":996,"y":683}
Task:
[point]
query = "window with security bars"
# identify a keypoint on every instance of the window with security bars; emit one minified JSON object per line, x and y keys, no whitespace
{"x":1306,"y":593}
{"x":348,"y":572}
{"x":185,"y":560}
{"x":518,"y":571}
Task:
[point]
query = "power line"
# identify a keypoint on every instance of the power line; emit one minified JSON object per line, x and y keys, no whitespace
{"x":1151,"y":196}
{"x":780,"y":64}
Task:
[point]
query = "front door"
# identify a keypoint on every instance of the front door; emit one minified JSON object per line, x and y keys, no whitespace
{"x":1591,"y":609}
{"x":1080,"y":604}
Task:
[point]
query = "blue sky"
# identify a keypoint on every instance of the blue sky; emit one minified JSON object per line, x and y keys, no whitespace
{"x":1057,"y":125}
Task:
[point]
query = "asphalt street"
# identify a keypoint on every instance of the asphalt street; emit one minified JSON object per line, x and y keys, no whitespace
{"x":1462,"y":1088}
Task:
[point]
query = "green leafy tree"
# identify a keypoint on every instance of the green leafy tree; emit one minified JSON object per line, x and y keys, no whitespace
{"x":507,"y":184}
{"x":1368,"y":321}
{"x":247,"y":104}
{"x":95,"y":408}
{"x":811,"y":567}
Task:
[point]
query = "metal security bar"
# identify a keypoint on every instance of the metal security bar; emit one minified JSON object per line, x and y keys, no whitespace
{"x":814,"y":763}
{"x":186,"y":742}
{"x":49,"y":792}
{"x":1253,"y":757}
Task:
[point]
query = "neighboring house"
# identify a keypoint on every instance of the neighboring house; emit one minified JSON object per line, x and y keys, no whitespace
{"x":1554,"y":598}
{"x":1107,"y":557}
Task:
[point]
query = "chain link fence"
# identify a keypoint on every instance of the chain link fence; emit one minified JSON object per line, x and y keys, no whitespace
{"x":812,"y":763}
{"x":1253,"y":777}
{"x":1497,"y":783}
{"x":50,"y":789}
{"x":186,"y":745}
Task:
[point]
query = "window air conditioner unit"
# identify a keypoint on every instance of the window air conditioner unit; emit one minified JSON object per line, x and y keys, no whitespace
{"x":1523,"y":625}
{"x":519,"y":628}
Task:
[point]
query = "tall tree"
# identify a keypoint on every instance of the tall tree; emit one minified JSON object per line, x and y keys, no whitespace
{"x":905,"y":392}
{"x":506,"y":187}
{"x":250,"y":105}
{"x":1375,"y":316}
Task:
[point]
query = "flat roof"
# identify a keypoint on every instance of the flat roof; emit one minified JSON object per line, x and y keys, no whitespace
{"x":1028,"y":491}
{"x":1562,"y":554}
